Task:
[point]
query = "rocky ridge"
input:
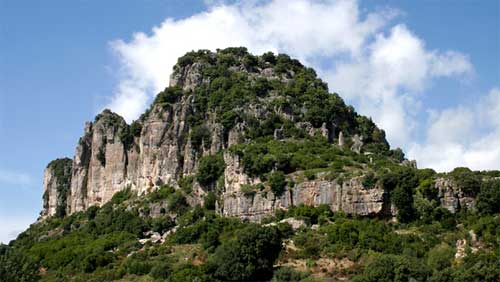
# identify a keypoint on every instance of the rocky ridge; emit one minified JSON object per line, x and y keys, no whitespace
{"x":182,"y":126}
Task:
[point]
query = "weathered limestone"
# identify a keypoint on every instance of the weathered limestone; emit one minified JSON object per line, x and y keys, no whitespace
{"x":188,"y":78}
{"x":109,"y":159}
{"x":56,"y":184}
{"x":341,"y":139}
{"x":99,"y":163}
{"x":452,"y":197}
{"x":350,"y":196}
{"x":357,"y":143}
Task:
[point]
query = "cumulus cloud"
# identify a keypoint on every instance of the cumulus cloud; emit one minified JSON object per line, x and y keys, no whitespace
{"x":387,"y":81}
{"x":375,"y":63}
{"x":11,"y":177}
{"x":303,"y":29}
{"x":463,"y":136}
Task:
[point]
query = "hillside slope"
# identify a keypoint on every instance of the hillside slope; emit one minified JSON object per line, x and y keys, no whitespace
{"x":247,"y":169}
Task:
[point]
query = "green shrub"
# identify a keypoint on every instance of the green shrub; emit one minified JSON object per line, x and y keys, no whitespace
{"x":129,"y":132}
{"x":467,"y":180}
{"x":311,"y":244}
{"x":209,"y":201}
{"x":162,"y":224}
{"x":161,"y":270}
{"x":189,"y":272}
{"x":488,"y":199}
{"x":402,"y":183}
{"x":168,"y":96}
{"x":210,"y":169}
{"x":369,"y":181}
{"x":277,"y":182}
{"x":247,"y":189}
{"x":161,"y":193}
{"x":440,"y":257}
{"x":15,"y":266}
{"x":121,"y":196}
{"x":287,"y":274}
{"x":137,"y":266}
{"x":394,"y":268}
{"x":186,"y":184}
{"x":310,"y":175}
{"x":91,"y":262}
{"x":101,"y":155}
{"x":177,"y":202}
{"x":269,"y":57}
{"x":249,"y":256}
{"x":200,"y":135}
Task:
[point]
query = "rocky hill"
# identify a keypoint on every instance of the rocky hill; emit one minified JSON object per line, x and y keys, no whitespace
{"x":257,"y":116}
{"x":216,"y":101}
{"x":235,"y":140}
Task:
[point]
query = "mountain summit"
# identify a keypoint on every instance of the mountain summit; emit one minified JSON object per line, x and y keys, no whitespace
{"x":248,"y":118}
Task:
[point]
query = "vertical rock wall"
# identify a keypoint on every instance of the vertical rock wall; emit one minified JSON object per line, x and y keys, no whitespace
{"x":56,"y":186}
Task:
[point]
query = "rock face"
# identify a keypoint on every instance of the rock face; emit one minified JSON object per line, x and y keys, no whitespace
{"x":56,"y":185}
{"x":165,"y":145}
{"x":99,"y":162}
{"x":452,"y":197}
{"x":349,"y":196}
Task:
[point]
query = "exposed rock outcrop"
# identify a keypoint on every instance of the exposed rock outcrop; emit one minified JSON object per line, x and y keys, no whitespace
{"x":56,"y":185}
{"x":452,"y":197}
{"x":167,"y":142}
{"x":99,"y":162}
{"x":349,"y":196}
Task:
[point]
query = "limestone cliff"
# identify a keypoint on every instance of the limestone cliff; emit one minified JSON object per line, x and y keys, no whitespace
{"x":349,"y":196}
{"x":56,"y":185}
{"x":215,"y":101}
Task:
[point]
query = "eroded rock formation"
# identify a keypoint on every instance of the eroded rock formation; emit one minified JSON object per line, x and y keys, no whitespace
{"x":452,"y":197}
{"x":56,"y":185}
{"x":165,"y":145}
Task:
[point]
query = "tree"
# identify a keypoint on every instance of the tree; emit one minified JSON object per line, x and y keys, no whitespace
{"x":440,"y":257}
{"x":210,"y":169}
{"x":394,"y":268}
{"x":467,"y":180}
{"x":402,"y":183}
{"x":287,"y":274}
{"x":277,"y":182}
{"x":488,"y":199}
{"x":161,"y":270}
{"x":15,"y":266}
{"x":249,"y":256}
{"x":209,"y":202}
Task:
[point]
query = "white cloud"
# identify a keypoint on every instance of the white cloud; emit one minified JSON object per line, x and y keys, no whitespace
{"x":11,"y":177}
{"x":463,"y":136}
{"x":13,"y":225}
{"x":387,"y":81}
{"x":303,"y":29}
{"x":380,"y":66}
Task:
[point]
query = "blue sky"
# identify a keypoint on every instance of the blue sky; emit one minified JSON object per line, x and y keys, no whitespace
{"x":427,"y":71}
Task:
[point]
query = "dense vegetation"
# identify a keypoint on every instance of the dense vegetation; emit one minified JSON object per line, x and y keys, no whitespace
{"x":102,"y":244}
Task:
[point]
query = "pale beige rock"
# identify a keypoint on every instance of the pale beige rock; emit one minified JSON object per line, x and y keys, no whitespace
{"x":99,"y":165}
{"x":54,"y":186}
{"x":349,"y":196}
{"x":162,"y":154}
{"x":341,"y":139}
{"x":452,"y":197}
{"x":357,"y":143}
